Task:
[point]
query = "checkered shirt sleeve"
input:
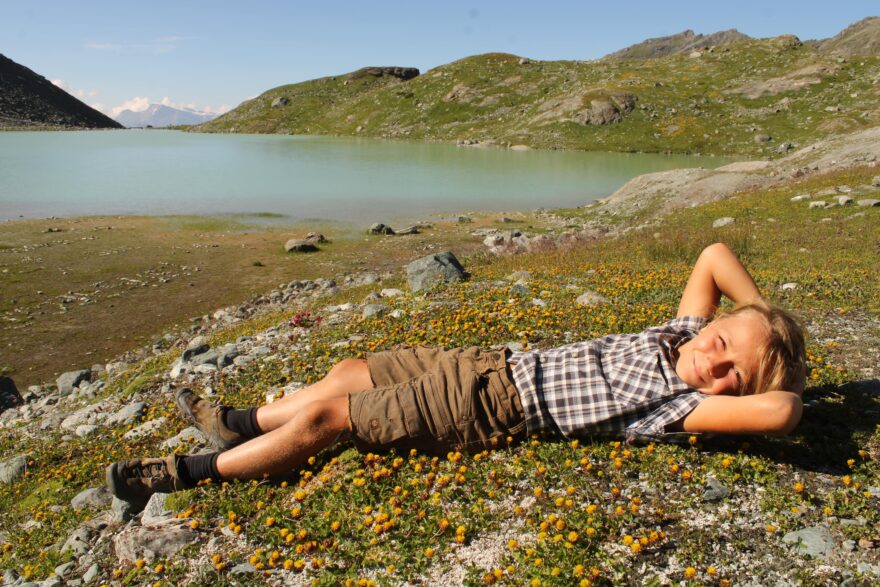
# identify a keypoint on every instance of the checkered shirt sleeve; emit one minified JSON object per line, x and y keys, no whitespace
{"x":621,"y":384}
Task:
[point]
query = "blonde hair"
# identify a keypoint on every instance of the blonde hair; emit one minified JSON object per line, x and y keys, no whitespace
{"x":782,"y":358}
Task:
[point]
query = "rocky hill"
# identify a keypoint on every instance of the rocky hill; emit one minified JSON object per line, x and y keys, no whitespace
{"x":27,"y":99}
{"x":859,"y":39}
{"x":747,"y":97}
{"x":683,"y":42}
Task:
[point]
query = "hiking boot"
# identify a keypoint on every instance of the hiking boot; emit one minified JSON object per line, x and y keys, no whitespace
{"x":208,"y":418}
{"x":136,"y":480}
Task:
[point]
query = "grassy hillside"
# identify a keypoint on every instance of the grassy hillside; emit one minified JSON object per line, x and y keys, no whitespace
{"x":728,"y":100}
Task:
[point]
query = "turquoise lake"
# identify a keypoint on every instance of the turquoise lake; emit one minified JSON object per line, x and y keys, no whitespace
{"x":155,"y":172}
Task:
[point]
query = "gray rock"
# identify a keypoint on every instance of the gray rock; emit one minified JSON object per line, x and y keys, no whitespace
{"x":844,"y":200}
{"x":9,"y":577}
{"x":84,"y":430}
{"x":374,"y":310}
{"x":96,"y":497}
{"x":801,"y":198}
{"x":519,"y":289}
{"x":723,"y":221}
{"x":298,"y":245}
{"x":184,"y":436}
{"x":122,"y":510}
{"x":790,"y":286}
{"x":397,"y":313}
{"x":390,"y":292}
{"x":763,"y":138}
{"x":868,"y":569}
{"x":280,"y":102}
{"x":79,"y":541}
{"x":145,"y":429}
{"x":155,"y":510}
{"x":61,"y":571}
{"x":590,"y":299}
{"x":12,"y":469}
{"x":379,"y":228}
{"x":316,"y":237}
{"x":242,"y":569}
{"x":91,"y":574}
{"x":876,"y":181}
{"x":434,"y":269}
{"x":152,"y":542}
{"x":130,"y":414}
{"x":71,"y":379}
{"x":539,"y":302}
{"x":715,"y":490}
{"x":50,"y":582}
{"x":197,"y":347}
{"x":407,"y":230}
{"x":869,"y":203}
{"x":815,"y":541}
{"x":784,"y":148}
{"x":87,"y":415}
{"x":464,"y":219}
{"x":818,"y":204}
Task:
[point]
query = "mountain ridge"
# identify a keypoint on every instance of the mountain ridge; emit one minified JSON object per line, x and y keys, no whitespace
{"x":28,"y":99}
{"x":161,"y":115}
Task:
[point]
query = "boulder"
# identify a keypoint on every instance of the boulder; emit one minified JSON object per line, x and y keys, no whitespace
{"x":152,"y":542}
{"x":316,"y":237}
{"x":280,"y":101}
{"x":433,"y":269}
{"x":605,"y":107}
{"x":12,"y":469}
{"x":298,"y":245}
{"x":869,"y":203}
{"x":9,"y":394}
{"x":68,"y":381}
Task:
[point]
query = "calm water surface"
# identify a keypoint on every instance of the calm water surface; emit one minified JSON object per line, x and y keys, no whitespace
{"x":167,"y":172}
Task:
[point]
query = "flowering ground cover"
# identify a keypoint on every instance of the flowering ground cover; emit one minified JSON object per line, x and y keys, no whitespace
{"x":590,"y":511}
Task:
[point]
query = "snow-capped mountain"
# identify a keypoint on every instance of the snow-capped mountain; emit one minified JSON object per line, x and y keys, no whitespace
{"x":159,"y":115}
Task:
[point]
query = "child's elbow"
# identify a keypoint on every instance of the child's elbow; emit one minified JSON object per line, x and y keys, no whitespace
{"x":783,"y":412}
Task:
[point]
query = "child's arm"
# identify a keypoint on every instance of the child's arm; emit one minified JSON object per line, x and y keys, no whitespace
{"x":774,"y":413}
{"x":716,"y":272}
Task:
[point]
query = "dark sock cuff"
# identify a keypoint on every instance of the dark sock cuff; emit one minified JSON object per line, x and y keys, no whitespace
{"x":193,"y":468}
{"x":243,"y":422}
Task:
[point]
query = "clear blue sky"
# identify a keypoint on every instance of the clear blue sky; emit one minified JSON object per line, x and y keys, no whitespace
{"x":213,"y":55}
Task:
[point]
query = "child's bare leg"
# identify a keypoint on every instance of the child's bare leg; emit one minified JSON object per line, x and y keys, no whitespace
{"x":313,"y":426}
{"x":347,"y":376}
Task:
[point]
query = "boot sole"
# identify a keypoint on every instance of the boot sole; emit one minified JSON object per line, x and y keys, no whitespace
{"x":187,"y":414}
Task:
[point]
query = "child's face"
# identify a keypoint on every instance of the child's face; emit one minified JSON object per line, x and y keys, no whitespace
{"x":723,"y":357}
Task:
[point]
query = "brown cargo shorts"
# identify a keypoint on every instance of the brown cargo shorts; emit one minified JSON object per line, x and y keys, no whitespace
{"x":437,"y":400}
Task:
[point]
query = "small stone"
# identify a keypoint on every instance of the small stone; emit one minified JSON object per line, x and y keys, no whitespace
{"x":155,"y":511}
{"x":849,"y":545}
{"x":800,"y":198}
{"x":243,"y":569}
{"x":91,"y":574}
{"x":724,"y":221}
{"x":12,"y":469}
{"x":789,"y":286}
{"x":391,"y":292}
{"x":818,"y":204}
{"x":184,"y":436}
{"x":130,"y":414}
{"x":428,"y":271}
{"x":95,"y":497}
{"x":397,"y":313}
{"x":763,"y":138}
{"x":590,"y":299}
{"x":374,"y":310}
{"x":84,"y":430}
{"x":865,"y":543}
{"x":79,"y":541}
{"x":296,"y":245}
{"x":122,"y":510}
{"x":145,"y":429}
{"x":869,"y":203}
{"x":62,"y":571}
{"x":844,"y":200}
{"x":519,"y":289}
{"x":380,"y":228}
{"x":715,"y":490}
{"x":815,"y":541}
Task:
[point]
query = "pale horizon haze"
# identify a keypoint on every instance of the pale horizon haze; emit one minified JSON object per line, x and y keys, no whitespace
{"x":210,"y":56}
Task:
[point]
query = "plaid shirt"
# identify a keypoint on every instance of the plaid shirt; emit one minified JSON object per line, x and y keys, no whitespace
{"x":618,"y":384}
